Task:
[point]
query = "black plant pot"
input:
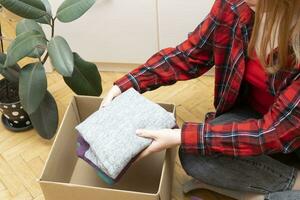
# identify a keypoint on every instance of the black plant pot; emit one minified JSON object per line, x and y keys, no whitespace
{"x":14,"y":117}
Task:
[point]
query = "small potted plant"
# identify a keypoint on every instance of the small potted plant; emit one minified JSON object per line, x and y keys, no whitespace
{"x":27,"y":85}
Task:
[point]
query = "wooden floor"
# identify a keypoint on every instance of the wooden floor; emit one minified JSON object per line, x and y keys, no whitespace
{"x":22,"y":155}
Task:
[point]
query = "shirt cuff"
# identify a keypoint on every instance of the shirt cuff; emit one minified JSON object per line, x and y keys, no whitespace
{"x":126,"y":82}
{"x":192,"y":138}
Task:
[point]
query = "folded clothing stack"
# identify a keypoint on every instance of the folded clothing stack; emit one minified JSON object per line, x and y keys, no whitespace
{"x":107,"y":139}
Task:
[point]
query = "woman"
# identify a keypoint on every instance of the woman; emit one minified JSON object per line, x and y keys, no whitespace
{"x":255,"y":48}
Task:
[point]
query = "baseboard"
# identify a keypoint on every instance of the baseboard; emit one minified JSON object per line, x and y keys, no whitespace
{"x":116,"y":67}
{"x":120,"y":67}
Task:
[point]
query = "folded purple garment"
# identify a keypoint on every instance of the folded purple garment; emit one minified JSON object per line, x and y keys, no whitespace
{"x":195,"y":198}
{"x":82,"y":147}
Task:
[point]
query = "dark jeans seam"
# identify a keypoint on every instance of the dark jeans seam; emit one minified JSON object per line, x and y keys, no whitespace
{"x":292,"y":179}
{"x":290,"y":184}
{"x":266,"y":168}
{"x":259,"y":189}
{"x":267,"y":197}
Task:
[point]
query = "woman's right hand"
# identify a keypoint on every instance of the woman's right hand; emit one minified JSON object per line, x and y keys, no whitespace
{"x":112,"y":93}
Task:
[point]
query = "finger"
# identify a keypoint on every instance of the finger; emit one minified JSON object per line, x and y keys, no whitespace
{"x":138,"y":158}
{"x":145,"y":153}
{"x":105,"y":101}
{"x":102,"y":105}
{"x":146,"y":133}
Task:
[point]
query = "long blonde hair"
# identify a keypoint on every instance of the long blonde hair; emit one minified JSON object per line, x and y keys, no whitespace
{"x":280,"y":34}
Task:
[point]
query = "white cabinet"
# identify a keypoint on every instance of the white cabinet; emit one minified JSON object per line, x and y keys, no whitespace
{"x":179,"y":17}
{"x":114,"y":31}
{"x":130,"y":31}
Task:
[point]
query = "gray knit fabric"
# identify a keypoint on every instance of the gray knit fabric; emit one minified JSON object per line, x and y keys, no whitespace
{"x":110,"y":131}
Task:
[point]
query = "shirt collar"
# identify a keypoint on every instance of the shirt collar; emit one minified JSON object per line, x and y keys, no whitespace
{"x":242,"y":9}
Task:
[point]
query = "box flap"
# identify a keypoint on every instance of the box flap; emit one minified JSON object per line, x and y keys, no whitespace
{"x":143,"y":176}
{"x":87,"y":105}
{"x":62,"y":151}
{"x":60,"y":191}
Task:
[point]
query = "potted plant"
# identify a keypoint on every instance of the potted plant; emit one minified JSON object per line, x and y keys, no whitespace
{"x":14,"y":116}
{"x":28,"y":84}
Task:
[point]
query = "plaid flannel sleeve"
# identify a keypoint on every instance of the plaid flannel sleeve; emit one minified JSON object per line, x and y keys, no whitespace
{"x":189,"y":60}
{"x":277,"y":131}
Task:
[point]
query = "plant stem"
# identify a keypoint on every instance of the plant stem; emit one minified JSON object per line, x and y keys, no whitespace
{"x":52,"y":35}
{"x":7,"y":92}
{"x":45,"y":59}
{"x":1,"y":40}
{"x":53,"y":27}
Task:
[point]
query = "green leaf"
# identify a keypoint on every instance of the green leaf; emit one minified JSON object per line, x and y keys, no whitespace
{"x":2,"y":61}
{"x":36,"y":53}
{"x":71,"y":10}
{"x":27,"y":25}
{"x":2,"y":58}
{"x":47,"y":18}
{"x":45,"y":118}
{"x":61,"y":56}
{"x":47,"y":6}
{"x":44,"y":20}
{"x":24,"y":45}
{"x":10,"y":73}
{"x":32,"y":86}
{"x":31,"y":9}
{"x":85,"y":79}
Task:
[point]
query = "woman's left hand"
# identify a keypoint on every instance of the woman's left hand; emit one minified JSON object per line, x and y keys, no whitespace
{"x":162,"y":139}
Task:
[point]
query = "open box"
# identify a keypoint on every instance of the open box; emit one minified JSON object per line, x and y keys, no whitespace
{"x":67,"y":177}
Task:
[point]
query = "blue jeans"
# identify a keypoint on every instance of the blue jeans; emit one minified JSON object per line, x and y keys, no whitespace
{"x":272,"y":175}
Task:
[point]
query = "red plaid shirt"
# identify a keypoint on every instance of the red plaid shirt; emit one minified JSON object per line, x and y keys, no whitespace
{"x":221,"y":40}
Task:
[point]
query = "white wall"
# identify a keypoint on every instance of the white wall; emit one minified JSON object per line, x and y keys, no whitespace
{"x":179,"y":17}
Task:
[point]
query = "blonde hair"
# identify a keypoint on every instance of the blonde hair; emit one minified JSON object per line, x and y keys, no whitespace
{"x":280,"y":34}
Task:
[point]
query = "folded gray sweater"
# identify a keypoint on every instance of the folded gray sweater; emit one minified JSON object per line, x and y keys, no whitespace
{"x":111,"y":131}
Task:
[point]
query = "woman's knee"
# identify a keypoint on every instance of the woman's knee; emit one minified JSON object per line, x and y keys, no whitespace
{"x":199,"y":167}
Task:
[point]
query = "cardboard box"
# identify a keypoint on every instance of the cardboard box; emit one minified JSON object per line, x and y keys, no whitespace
{"x":66,"y":177}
